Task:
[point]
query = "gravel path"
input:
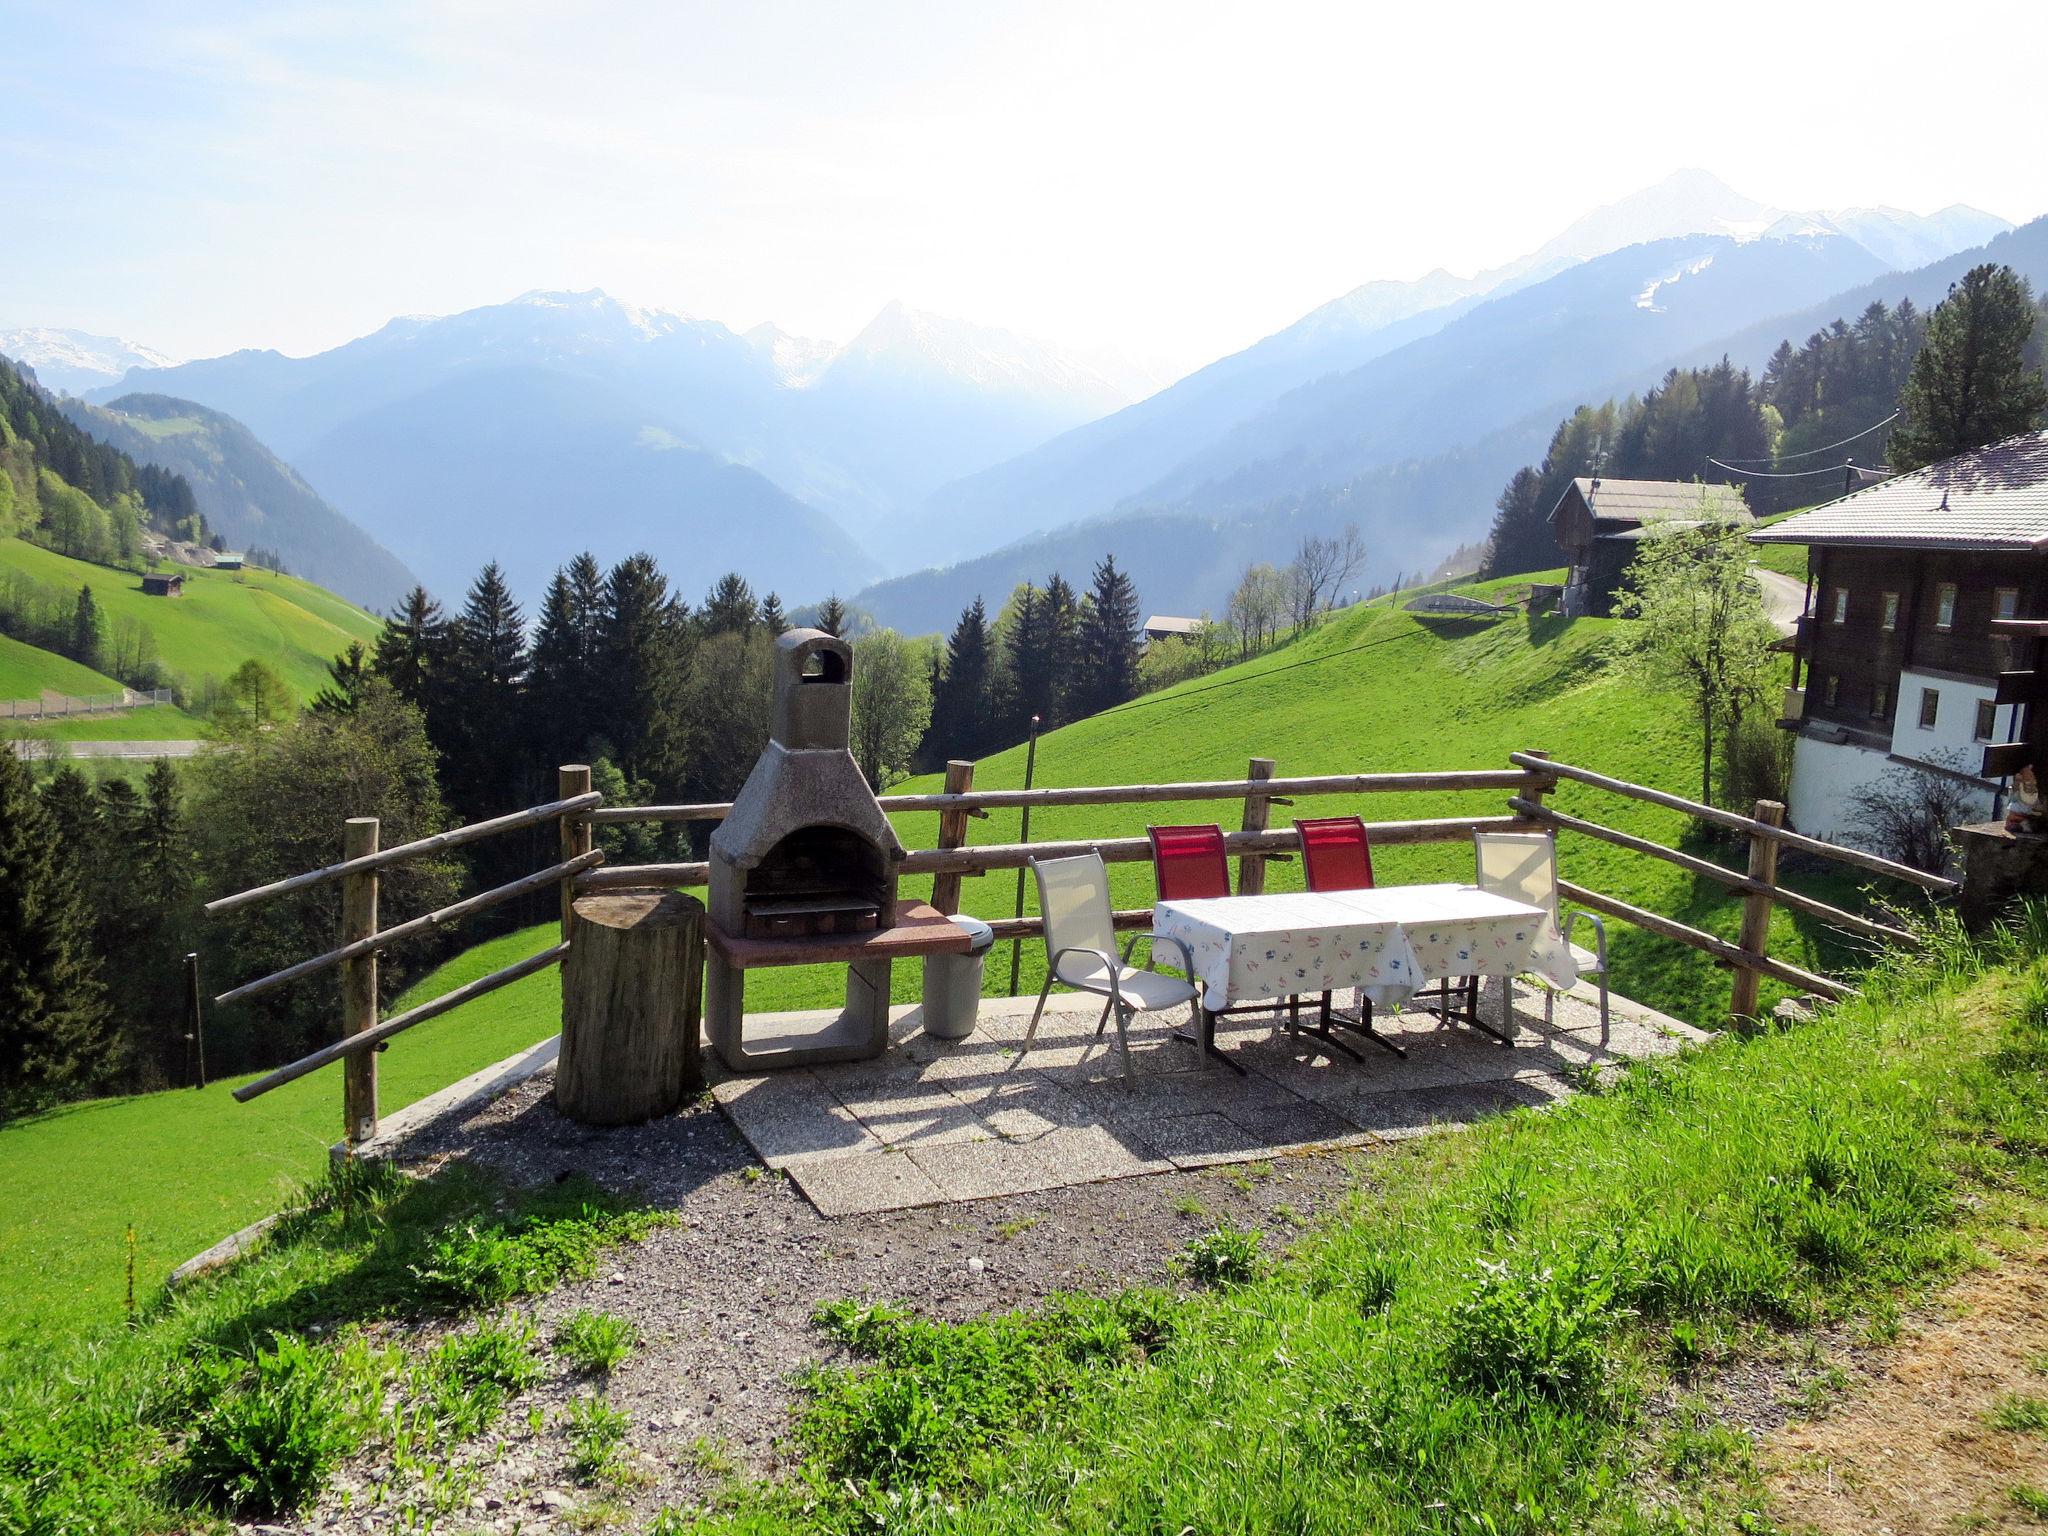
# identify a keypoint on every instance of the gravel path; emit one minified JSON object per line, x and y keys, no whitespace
{"x":724,"y":1299}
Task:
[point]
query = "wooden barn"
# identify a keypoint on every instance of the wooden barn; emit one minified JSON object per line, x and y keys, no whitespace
{"x":169,"y":584}
{"x":1599,"y":524}
{"x":1918,"y":647}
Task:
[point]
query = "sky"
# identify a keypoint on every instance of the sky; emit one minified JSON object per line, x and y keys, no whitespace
{"x":1167,"y":181}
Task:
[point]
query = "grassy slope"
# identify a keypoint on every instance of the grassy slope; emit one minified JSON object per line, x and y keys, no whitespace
{"x":187,"y":1168}
{"x":223,"y":619}
{"x":157,"y":722}
{"x":26,"y":671}
{"x":1375,"y":690}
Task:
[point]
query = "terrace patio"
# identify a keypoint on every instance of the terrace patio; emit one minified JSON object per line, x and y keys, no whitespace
{"x":937,"y":1121}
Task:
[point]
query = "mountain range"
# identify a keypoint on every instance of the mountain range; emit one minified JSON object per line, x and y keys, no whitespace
{"x":527,"y":430}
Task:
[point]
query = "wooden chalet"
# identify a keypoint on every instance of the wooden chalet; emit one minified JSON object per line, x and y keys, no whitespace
{"x":1599,"y":524}
{"x":168,"y":584}
{"x":1166,"y":626}
{"x":1926,"y":610}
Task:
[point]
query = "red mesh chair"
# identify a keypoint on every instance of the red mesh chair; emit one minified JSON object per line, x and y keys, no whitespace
{"x":1335,"y":856}
{"x":1189,"y":865}
{"x":1334,"y":853}
{"x":1189,"y":862}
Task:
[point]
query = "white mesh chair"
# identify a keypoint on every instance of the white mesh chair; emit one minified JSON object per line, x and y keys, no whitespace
{"x":1523,"y":867}
{"x":1080,"y":950}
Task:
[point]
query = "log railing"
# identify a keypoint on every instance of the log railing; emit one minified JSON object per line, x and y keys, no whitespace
{"x":578,"y":811}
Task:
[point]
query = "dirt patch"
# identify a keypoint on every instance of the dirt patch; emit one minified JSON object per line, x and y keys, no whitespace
{"x":1912,"y":1447}
{"x":724,"y":1298}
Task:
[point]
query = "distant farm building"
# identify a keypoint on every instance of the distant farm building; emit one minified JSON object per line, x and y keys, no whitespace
{"x":1164,"y":626}
{"x":1599,"y":524}
{"x":166,"y":585}
{"x":227,"y":562}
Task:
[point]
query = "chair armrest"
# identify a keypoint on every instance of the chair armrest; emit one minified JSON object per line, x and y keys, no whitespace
{"x":1187,"y":958}
{"x":1109,"y":966}
{"x":1599,"y":933}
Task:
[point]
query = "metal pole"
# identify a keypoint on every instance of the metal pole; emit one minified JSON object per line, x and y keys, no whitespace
{"x":195,"y":1029}
{"x":1023,"y":836}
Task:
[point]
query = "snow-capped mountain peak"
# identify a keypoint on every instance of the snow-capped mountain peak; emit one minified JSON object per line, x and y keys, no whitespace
{"x":904,"y":340}
{"x":75,"y":361}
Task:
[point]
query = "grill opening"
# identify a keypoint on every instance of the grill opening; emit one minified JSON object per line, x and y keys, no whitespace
{"x":817,"y":880}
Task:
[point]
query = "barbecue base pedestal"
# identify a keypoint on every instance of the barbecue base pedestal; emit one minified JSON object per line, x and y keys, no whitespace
{"x":861,"y":1032}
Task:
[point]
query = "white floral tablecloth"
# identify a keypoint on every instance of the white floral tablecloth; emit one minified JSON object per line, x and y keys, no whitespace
{"x":1386,"y":942}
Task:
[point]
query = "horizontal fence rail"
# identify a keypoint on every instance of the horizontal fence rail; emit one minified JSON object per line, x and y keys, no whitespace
{"x":1720,"y":948}
{"x":1130,"y":794}
{"x":418,"y":848}
{"x":384,"y":938}
{"x":1854,"y":857}
{"x":1733,"y":879}
{"x":398,"y":1023}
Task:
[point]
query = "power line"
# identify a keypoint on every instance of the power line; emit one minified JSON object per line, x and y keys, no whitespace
{"x":1791,"y":474}
{"x":1831,"y":447}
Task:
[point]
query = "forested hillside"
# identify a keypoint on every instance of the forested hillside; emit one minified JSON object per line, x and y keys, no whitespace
{"x":1786,"y":437}
{"x":84,"y":498}
{"x":249,"y":496}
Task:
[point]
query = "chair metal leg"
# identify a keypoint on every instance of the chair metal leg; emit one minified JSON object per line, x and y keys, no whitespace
{"x":1123,"y":1042}
{"x":1108,"y":1003}
{"x":1036,"y":1013}
{"x":1603,"y":1005}
{"x":1549,"y":1005}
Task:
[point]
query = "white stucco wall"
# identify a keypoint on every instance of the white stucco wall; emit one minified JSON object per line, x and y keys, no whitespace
{"x":1952,"y":740}
{"x":1826,"y":773}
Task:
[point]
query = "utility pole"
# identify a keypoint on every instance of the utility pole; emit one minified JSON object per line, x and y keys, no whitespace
{"x":1023,"y":836}
{"x":195,"y":1028}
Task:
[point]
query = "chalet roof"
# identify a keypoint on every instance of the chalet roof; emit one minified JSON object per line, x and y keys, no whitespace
{"x":1167,"y":624}
{"x":1991,"y":498}
{"x":1631,"y":503}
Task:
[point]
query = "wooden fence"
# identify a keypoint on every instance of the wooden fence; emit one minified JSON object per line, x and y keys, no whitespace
{"x":1527,"y":785}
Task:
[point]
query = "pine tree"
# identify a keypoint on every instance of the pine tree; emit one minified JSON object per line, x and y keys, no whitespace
{"x":85,"y":630}
{"x":772,"y":616}
{"x":55,"y":1029}
{"x":645,"y":662}
{"x":1030,"y":663}
{"x":1060,"y":619}
{"x":1971,"y":384}
{"x":1522,"y":539}
{"x":564,"y":685}
{"x":960,"y":698}
{"x":346,"y":674}
{"x":832,"y":615}
{"x":161,"y":852}
{"x":730,"y":608}
{"x":481,"y":700}
{"x":410,"y":649}
{"x":1108,"y":642}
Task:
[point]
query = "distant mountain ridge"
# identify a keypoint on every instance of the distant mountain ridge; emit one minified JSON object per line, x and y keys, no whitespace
{"x":1414,"y":445}
{"x":248,"y":495}
{"x":75,"y":361}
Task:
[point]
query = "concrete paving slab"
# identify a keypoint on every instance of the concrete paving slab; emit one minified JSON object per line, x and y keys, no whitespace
{"x":791,"y":1117}
{"x":1416,"y":1112}
{"x":855,"y":1186}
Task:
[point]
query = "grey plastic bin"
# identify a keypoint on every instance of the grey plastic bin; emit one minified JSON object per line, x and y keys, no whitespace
{"x":952,"y":984}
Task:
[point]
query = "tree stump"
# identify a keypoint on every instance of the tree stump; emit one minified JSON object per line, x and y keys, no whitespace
{"x":631,"y":1001}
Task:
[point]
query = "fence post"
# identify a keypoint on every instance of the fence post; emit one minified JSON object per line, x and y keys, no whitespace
{"x":952,"y":834}
{"x":359,"y":982}
{"x":572,"y":779}
{"x":195,"y":1024}
{"x":1251,"y":867}
{"x":1756,"y":909}
{"x":1539,"y":784}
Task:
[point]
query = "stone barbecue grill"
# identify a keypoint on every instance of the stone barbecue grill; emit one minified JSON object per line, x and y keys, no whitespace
{"x":805,"y":849}
{"x":804,"y":870}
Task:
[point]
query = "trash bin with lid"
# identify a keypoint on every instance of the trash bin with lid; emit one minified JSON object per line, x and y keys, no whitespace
{"x":952,"y":984}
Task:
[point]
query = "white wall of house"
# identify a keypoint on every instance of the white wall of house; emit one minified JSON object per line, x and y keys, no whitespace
{"x":1952,"y":740}
{"x":1824,"y":775}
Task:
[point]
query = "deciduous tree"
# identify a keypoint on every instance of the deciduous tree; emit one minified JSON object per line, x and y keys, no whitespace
{"x":892,"y":705}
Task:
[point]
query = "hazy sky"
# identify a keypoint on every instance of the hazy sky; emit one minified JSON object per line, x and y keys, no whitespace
{"x":1172,"y":179}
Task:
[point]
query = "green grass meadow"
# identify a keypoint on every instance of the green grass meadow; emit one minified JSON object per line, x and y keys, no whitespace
{"x":223,"y":619}
{"x":25,"y":672}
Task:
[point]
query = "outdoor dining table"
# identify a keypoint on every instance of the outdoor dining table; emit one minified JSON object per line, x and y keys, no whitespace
{"x":1385,"y":942}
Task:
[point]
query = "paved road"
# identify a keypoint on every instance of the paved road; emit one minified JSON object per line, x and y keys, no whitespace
{"x":1784,"y":598}
{"x":109,"y":748}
